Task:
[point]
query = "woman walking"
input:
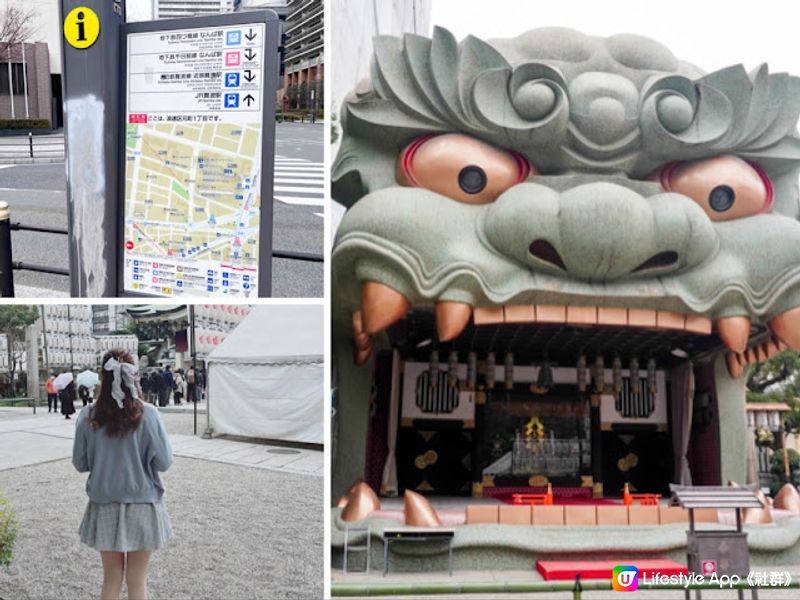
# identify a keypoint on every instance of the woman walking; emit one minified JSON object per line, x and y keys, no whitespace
{"x":123,"y":445}
{"x":180,"y":387}
{"x":67,"y":396}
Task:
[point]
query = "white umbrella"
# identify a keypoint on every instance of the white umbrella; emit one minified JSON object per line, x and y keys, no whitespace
{"x":87,"y":378}
{"x":63,"y":380}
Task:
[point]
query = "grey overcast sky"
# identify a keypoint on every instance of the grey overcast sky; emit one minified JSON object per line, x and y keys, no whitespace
{"x":708,"y":33}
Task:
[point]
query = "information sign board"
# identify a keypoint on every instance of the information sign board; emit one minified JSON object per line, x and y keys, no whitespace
{"x":196,"y":173}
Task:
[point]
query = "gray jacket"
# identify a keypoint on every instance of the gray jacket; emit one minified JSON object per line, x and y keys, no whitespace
{"x":123,"y":469}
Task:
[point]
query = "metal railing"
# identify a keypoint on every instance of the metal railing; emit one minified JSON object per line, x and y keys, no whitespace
{"x":15,"y":148}
{"x":8,"y":265}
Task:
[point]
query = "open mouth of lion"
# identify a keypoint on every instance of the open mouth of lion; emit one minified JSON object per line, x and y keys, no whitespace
{"x":557,"y":333}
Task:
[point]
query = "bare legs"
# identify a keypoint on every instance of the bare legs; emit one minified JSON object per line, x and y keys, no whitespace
{"x":135,"y":574}
{"x":113,"y":568}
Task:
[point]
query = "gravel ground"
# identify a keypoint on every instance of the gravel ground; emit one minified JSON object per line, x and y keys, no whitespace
{"x":239,"y":533}
{"x":183,"y":423}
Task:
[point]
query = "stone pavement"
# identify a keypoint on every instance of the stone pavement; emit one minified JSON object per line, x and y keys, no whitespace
{"x":28,"y":439}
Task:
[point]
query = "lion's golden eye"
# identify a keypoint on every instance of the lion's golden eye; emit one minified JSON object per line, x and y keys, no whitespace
{"x":726,"y":187}
{"x":461,"y":167}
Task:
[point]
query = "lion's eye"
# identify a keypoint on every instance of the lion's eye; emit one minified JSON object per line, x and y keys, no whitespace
{"x":461,"y":167}
{"x":726,"y":187}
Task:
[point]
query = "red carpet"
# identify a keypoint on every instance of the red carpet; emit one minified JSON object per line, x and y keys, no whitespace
{"x":601,"y":569}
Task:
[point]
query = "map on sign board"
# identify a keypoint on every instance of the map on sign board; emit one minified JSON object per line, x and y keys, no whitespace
{"x":193,"y":161}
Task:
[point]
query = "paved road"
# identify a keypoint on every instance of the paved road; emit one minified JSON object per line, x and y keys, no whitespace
{"x":241,"y":530}
{"x":36,"y":195}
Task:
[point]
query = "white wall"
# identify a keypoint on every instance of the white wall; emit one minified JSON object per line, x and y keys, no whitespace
{"x":47,"y":28}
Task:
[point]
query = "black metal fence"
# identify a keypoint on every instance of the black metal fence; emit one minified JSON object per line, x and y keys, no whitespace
{"x":24,"y":148}
{"x":8,"y":265}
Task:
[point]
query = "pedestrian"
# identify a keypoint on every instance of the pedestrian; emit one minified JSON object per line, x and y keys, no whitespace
{"x":144,"y":384}
{"x":191,"y":388}
{"x":52,"y":394}
{"x":123,"y":445}
{"x":84,"y":394}
{"x":67,"y":396}
{"x":157,"y":384}
{"x":169,"y":380}
{"x":201,"y":383}
{"x":180,"y":386}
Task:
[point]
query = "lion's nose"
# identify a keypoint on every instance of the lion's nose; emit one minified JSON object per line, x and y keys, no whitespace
{"x":600,"y":231}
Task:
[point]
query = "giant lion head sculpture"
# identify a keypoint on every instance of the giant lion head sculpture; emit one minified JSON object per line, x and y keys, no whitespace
{"x":522,"y":178}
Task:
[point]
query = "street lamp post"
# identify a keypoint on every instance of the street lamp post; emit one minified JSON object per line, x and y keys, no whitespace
{"x":208,"y":433}
{"x":69,"y":335}
{"x":194,"y":364}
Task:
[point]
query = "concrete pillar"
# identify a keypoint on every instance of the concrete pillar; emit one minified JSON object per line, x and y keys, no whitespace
{"x":732,"y":422}
{"x":352,"y":417}
{"x":32,"y":359}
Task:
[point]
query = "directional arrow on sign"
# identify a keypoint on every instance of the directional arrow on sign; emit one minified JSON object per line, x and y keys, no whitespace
{"x":248,"y":99}
{"x":248,"y":75}
{"x":251,"y":35}
{"x":250,"y":55}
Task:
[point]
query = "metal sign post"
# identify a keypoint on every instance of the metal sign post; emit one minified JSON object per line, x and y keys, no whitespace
{"x":91,"y":133}
{"x":198,"y":149}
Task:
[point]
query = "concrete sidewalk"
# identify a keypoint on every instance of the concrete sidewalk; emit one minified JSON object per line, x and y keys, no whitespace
{"x":27,"y":439}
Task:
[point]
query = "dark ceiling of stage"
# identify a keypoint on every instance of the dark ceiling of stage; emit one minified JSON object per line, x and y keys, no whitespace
{"x":415,"y":337}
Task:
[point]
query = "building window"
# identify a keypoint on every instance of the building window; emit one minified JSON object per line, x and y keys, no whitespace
{"x":17,"y":75}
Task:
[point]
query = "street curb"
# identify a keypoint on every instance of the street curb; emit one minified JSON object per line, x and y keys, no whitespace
{"x":32,"y":161}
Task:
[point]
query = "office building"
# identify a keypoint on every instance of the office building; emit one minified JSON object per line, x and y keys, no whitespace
{"x":172,"y":9}
{"x":108,"y":318}
{"x":304,"y":55}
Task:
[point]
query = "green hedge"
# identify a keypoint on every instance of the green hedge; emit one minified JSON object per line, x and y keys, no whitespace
{"x":8,"y":532}
{"x":24,"y":124}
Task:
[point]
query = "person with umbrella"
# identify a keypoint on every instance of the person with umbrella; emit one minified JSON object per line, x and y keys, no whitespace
{"x":123,"y":445}
{"x":86,"y":381}
{"x":65,"y":385}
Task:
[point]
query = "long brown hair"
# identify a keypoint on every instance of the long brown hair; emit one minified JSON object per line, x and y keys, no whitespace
{"x":106,"y":413}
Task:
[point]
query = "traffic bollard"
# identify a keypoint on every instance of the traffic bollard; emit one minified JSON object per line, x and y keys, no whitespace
{"x":6,"y":264}
{"x":30,"y":143}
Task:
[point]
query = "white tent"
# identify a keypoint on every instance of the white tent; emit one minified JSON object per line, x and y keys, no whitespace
{"x":266,"y":379}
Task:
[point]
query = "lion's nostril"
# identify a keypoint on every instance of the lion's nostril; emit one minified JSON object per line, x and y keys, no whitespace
{"x":658,"y":261}
{"x":544,"y":250}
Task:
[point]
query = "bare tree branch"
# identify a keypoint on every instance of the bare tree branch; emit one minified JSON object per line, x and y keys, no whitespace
{"x":17,"y":25}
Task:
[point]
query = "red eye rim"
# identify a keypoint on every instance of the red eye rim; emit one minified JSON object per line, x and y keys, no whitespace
{"x":408,"y":156}
{"x":666,"y":175}
{"x":524,"y":166}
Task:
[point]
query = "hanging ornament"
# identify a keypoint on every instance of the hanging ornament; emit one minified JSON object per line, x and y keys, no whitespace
{"x":472,"y":370}
{"x":452,"y":369}
{"x":544,"y":381}
{"x":616,"y":374}
{"x":651,"y":376}
{"x":634,"y":378}
{"x":434,"y":368}
{"x":581,"y":373}
{"x":599,"y":373}
{"x":509,"y":371}
{"x":491,"y":363}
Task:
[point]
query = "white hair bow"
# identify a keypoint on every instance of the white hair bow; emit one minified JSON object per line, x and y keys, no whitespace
{"x":123,"y":373}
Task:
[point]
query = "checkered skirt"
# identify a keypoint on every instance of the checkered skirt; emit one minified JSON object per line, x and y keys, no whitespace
{"x":119,"y":527}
